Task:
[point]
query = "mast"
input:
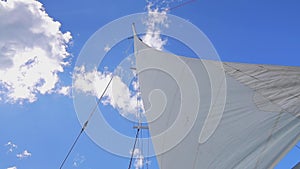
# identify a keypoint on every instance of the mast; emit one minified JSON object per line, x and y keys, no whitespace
{"x":139,"y":127}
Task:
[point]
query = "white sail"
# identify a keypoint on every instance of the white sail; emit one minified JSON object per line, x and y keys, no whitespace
{"x":259,"y":124}
{"x":297,"y":166}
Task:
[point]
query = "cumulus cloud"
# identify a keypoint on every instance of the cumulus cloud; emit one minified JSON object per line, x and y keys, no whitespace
{"x":86,"y":81}
{"x":139,"y":158}
{"x":118,"y":94}
{"x":33,"y":51}
{"x":156,"y":19}
{"x":11,"y":146}
{"x":64,"y":90}
{"x":24,"y":154}
{"x":14,"y":167}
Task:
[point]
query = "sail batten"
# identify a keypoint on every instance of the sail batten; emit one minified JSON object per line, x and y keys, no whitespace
{"x":260,"y":121}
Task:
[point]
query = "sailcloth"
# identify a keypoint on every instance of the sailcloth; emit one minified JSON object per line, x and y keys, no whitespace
{"x":259,"y":121}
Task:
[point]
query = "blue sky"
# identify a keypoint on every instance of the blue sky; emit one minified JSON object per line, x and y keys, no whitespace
{"x":256,"y":31}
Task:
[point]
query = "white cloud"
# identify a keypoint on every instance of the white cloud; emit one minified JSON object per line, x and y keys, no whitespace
{"x":106,"y":48}
{"x":139,"y":158}
{"x":64,"y":90}
{"x":14,"y":167}
{"x":11,"y":146}
{"x":118,"y":94}
{"x":87,"y":81}
{"x":78,"y":160}
{"x":139,"y":162}
{"x":24,"y":154}
{"x":135,"y":85}
{"x":155,"y":20}
{"x":33,"y":51}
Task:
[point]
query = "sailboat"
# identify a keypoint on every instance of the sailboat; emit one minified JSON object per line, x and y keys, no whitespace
{"x":209,"y":114}
{"x":247,"y":118}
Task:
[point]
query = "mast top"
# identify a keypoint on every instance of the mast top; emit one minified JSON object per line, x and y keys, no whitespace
{"x":133,"y":29}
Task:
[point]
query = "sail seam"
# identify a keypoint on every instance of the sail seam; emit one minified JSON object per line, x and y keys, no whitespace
{"x":281,"y":89}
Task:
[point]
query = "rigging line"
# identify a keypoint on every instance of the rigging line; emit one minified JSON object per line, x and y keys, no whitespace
{"x":85,"y":124}
{"x":141,"y":145}
{"x":298,"y":146}
{"x":148,"y":142}
{"x":136,"y":137}
{"x":180,"y":5}
{"x":126,"y":51}
{"x":62,"y":164}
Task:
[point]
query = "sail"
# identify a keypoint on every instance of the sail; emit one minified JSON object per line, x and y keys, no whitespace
{"x":297,"y":166}
{"x":260,"y":120}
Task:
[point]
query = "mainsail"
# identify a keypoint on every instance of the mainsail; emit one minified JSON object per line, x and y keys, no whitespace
{"x":259,"y":124}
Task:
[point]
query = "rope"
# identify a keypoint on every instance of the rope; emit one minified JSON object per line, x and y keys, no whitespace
{"x":136,"y":138}
{"x":141,"y":146}
{"x":298,"y":146}
{"x":85,"y":124}
{"x":180,"y":5}
{"x":148,"y":147}
{"x":62,"y":164}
